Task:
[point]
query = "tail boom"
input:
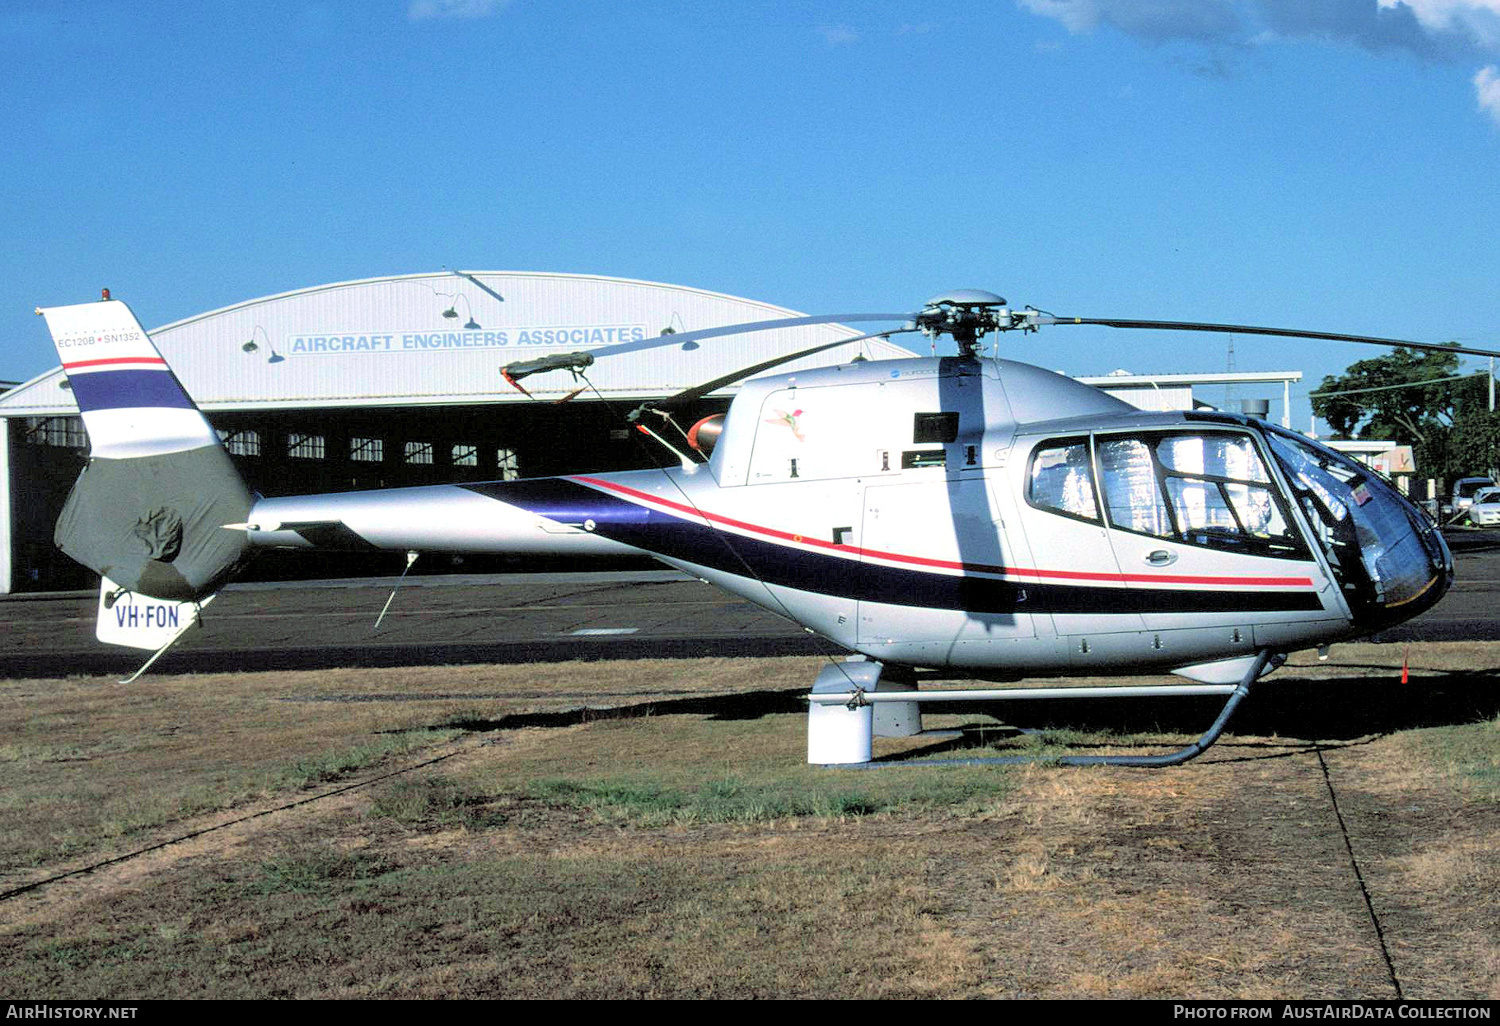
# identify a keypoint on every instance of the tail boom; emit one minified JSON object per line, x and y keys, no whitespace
{"x":491,"y":519}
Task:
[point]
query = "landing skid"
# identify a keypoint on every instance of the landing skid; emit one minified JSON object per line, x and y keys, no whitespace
{"x":852,"y":702}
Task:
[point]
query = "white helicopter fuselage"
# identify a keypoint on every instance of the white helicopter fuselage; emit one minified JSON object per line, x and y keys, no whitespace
{"x":975,"y":514}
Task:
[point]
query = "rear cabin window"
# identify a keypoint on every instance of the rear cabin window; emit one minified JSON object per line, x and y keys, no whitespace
{"x":824,"y":432}
{"x":1200,"y":489}
{"x":1062,"y":480}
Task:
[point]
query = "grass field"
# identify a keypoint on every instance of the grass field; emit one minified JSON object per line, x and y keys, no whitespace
{"x":651,"y":829}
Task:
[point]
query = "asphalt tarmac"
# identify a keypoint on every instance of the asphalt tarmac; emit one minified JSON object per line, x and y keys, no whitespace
{"x":511,"y":618}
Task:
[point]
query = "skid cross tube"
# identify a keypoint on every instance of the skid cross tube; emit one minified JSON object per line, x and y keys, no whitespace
{"x":1176,"y":758}
{"x":857,"y":698}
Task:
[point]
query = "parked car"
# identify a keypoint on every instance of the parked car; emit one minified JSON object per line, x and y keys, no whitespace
{"x":1465,"y":488}
{"x":1484,"y":511}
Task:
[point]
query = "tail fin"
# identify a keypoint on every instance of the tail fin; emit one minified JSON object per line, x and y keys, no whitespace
{"x":149,"y":508}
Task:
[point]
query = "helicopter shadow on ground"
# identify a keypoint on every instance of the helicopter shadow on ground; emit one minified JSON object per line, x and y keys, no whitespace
{"x":745,"y":705}
{"x":64,"y":663}
{"x":1343,"y":709}
{"x":1290,"y":707}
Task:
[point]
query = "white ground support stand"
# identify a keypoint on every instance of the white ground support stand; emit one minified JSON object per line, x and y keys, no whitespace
{"x":840,"y":728}
{"x":850,"y":705}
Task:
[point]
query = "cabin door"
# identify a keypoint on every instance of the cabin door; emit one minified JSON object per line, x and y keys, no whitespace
{"x":933,"y":559}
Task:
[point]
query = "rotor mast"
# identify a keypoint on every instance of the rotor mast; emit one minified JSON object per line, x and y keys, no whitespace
{"x":967,"y":315}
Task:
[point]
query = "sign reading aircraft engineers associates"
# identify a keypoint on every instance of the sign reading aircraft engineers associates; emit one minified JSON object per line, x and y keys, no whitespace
{"x":361,"y":342}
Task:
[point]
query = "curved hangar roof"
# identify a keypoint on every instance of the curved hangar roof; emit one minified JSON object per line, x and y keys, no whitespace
{"x":420,"y":339}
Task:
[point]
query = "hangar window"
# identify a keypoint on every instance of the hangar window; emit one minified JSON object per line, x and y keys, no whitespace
{"x":307,"y":447}
{"x":466,"y":455}
{"x":419,"y":452}
{"x":240,"y":443}
{"x":64,"y":432}
{"x":367,"y":450}
{"x":508,"y":463}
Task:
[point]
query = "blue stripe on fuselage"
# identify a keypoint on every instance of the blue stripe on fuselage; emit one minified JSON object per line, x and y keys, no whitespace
{"x":564,"y":501}
{"x":131,"y":388}
{"x":674,"y":537}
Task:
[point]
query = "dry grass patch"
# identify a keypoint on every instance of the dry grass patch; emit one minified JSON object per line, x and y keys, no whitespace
{"x":1468,"y":756}
{"x":92,"y":765}
{"x":1425,"y":824}
{"x":1358,"y":658}
{"x":1200,"y":882}
{"x":822,"y":913}
{"x":670,"y":841}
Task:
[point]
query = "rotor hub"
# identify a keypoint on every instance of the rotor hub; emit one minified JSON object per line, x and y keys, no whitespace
{"x":965,"y":314}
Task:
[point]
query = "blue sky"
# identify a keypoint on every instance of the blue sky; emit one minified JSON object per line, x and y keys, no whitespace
{"x":1325,"y":164}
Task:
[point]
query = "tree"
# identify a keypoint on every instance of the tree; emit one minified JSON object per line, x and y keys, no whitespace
{"x":1446,"y":422}
{"x":1475,"y":444}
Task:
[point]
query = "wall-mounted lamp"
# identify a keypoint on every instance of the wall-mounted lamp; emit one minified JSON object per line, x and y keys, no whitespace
{"x":452,"y":312}
{"x":253,"y":346}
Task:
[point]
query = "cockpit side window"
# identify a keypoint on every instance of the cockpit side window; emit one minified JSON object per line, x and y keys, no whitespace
{"x":1205,"y":489}
{"x":1061,"y":479}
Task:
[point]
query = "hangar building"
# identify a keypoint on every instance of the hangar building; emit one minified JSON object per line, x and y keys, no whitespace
{"x":395,"y":381}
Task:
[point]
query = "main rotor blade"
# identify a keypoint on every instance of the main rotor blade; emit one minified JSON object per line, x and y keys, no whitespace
{"x":1247,"y":329}
{"x":699,"y":391}
{"x":682,"y":337}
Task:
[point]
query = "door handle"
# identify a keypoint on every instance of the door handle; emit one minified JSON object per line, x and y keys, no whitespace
{"x":1161,"y":557}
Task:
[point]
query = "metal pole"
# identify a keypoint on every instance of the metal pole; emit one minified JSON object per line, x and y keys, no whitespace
{"x":999,"y":694}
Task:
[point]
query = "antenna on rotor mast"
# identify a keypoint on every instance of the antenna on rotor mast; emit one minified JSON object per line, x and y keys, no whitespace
{"x":1229,"y":369}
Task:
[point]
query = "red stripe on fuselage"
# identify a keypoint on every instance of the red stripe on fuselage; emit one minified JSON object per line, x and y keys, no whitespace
{"x":118,"y":361}
{"x":854,"y":550}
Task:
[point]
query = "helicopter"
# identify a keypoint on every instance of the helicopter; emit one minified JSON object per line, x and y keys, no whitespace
{"x":958,"y":516}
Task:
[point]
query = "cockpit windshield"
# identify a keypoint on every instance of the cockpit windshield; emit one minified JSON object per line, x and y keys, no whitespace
{"x":1382,"y":551}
